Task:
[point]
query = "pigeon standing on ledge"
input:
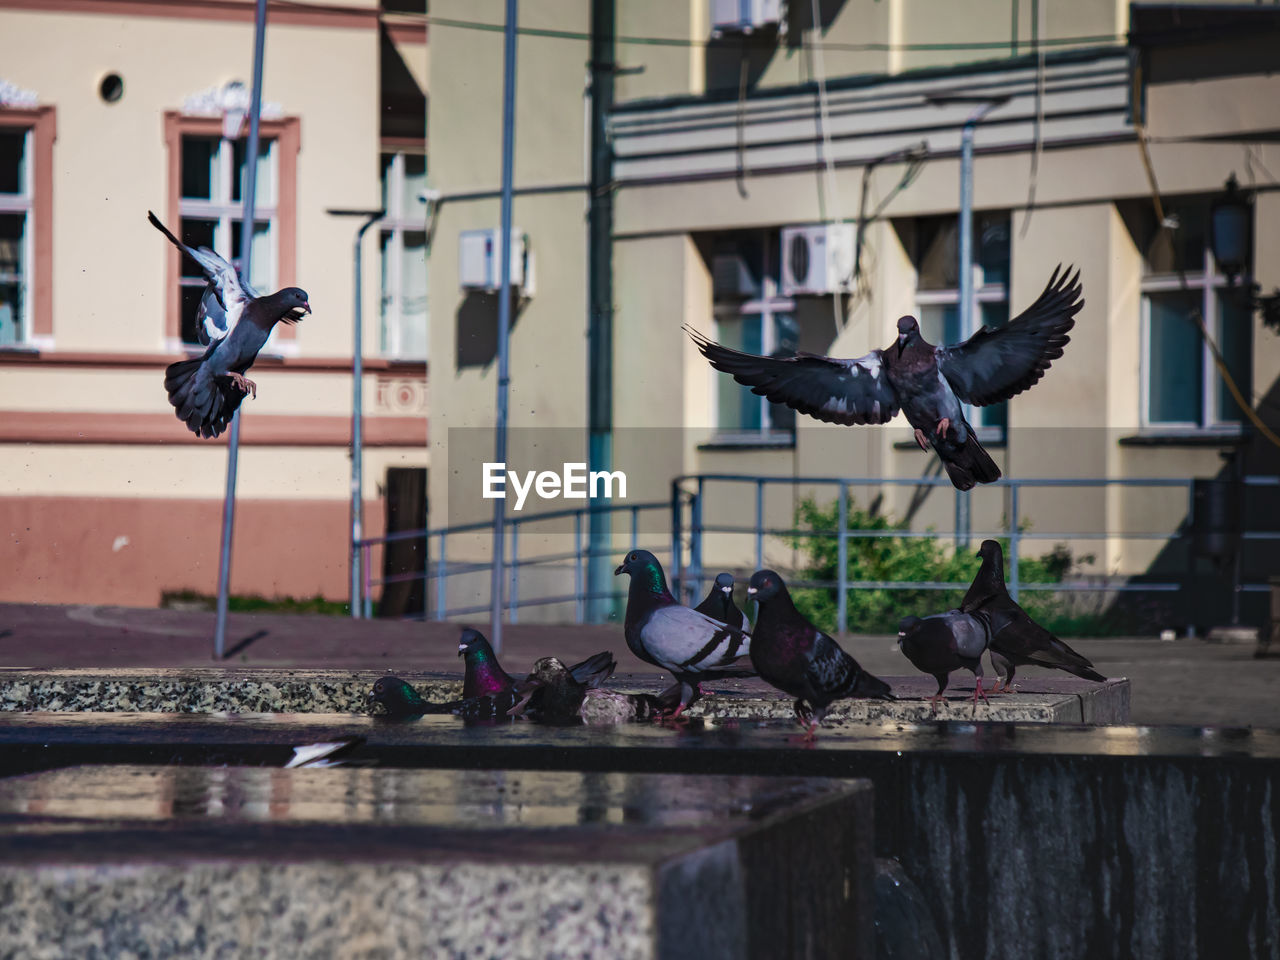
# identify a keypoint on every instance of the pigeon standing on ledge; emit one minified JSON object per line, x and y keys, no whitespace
{"x":944,"y":642}
{"x":927,"y":383}
{"x":1016,"y":639}
{"x":719,"y":603}
{"x":207,"y":390}
{"x":799,"y":659}
{"x":660,"y":630}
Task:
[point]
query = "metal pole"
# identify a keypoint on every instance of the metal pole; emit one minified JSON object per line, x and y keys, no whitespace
{"x":246,"y":259}
{"x":504,"y":315}
{"x":963,"y":519}
{"x":442,"y":596}
{"x":1014,"y":580}
{"x":759,"y":524}
{"x":842,"y":561}
{"x":357,"y":422}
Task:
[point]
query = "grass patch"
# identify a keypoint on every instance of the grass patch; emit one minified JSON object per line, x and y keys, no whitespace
{"x":254,"y":603}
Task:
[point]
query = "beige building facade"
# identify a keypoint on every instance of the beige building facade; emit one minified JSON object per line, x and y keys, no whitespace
{"x":110,"y":109}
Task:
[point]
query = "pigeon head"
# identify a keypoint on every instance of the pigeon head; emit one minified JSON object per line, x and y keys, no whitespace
{"x":906,"y":625}
{"x":473,"y":642}
{"x":724,"y":582}
{"x":990,"y":550}
{"x":548,"y":671}
{"x":764,"y":586}
{"x":643,"y":567}
{"x":398,"y":698}
{"x":908,"y":331}
{"x":294,"y":298}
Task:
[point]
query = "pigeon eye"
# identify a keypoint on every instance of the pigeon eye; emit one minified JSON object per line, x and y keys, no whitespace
{"x":378,"y":687}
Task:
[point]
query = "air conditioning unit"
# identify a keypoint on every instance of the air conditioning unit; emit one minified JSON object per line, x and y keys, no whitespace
{"x":744,"y":16}
{"x":817,"y":259}
{"x":480,"y":269}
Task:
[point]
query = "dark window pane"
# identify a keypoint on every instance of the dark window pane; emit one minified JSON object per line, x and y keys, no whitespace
{"x":1175,"y":360}
{"x":195,"y":233}
{"x":12,"y":230}
{"x":1183,"y":246}
{"x":13,"y":161}
{"x":1235,"y":340}
{"x":739,"y":407}
{"x":384,"y":175}
{"x":259,"y":268}
{"x":198,"y":154}
{"x":940,"y":323}
{"x":993,"y":315}
{"x":937,"y":240}
{"x":190,"y":303}
{"x":415,"y":181}
{"x":262,"y":192}
{"x":991,"y":247}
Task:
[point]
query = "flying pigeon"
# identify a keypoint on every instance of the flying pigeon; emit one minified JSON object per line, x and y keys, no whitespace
{"x":207,"y":390}
{"x":484,"y":674}
{"x":944,"y":642}
{"x":660,"y":630}
{"x":331,"y":754}
{"x":719,"y":603}
{"x":927,"y":383}
{"x":799,"y":659}
{"x":1016,"y":639}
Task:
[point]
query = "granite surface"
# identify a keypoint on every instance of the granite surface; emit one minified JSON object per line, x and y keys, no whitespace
{"x":273,"y":690}
{"x":108,"y":862}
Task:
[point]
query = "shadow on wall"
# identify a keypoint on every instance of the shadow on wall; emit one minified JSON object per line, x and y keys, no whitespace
{"x":477,"y":328}
{"x":737,"y":60}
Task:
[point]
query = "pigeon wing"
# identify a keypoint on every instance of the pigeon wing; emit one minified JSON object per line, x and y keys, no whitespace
{"x":684,"y":641}
{"x":998,"y":363}
{"x":229,"y":293}
{"x":826,"y":388}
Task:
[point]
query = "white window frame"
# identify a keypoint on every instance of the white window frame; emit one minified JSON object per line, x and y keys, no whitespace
{"x":1208,"y":281}
{"x":24,"y":204}
{"x":225,"y":211}
{"x":769,"y":303}
{"x":395,"y":225}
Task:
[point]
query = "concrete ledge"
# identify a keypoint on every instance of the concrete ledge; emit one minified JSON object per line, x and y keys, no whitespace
{"x":268,"y":690}
{"x":242,"y":861}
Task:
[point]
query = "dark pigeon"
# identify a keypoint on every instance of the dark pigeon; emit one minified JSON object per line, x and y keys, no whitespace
{"x":944,"y":642}
{"x":691,"y":645}
{"x":1016,"y":639}
{"x":719,"y":603}
{"x":927,"y":383}
{"x":799,"y":659}
{"x":484,"y":674}
{"x":234,"y":321}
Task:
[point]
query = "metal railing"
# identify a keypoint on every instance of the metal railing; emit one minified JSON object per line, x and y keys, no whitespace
{"x":682,"y":550}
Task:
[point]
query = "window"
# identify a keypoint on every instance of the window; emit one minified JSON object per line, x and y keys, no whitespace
{"x":404,"y":256}
{"x":1181,"y":385}
{"x":937,"y":259}
{"x":15,"y":235}
{"x":211,"y":205}
{"x":752,"y":317}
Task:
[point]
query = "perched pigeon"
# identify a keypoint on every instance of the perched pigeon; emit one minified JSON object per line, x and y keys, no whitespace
{"x":799,"y":659}
{"x":944,"y":642}
{"x":689,"y":644}
{"x":1016,"y":639}
{"x":719,"y":603}
{"x":484,"y":674}
{"x":331,"y":754}
{"x":928,"y":383}
{"x":206,"y":391}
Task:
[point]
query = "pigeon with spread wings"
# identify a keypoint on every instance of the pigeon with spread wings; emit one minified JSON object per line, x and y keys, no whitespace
{"x":927,"y":383}
{"x":234,"y":323}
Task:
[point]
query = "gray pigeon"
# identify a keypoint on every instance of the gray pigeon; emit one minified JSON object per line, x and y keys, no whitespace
{"x":718,"y":604}
{"x":927,"y":383}
{"x":689,"y":644}
{"x":944,"y":642}
{"x":1016,"y":639}
{"x":798,"y":658}
{"x":206,"y":391}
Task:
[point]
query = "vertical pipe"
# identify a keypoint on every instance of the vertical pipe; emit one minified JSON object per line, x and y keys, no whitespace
{"x":580,"y":606}
{"x":246,"y":259}
{"x":694,"y":580}
{"x":442,"y":576}
{"x":759,"y":524}
{"x":966,"y":295}
{"x":504,"y":315}
{"x":635,"y":527}
{"x":842,"y":552}
{"x":358,"y":559}
{"x":677,"y":552}
{"x":367,"y":601}
{"x":1014,"y":540}
{"x":513,"y":601}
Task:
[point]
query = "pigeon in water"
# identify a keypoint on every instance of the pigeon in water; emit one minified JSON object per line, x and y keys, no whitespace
{"x":926,"y":382}
{"x":719,"y":603}
{"x":1016,"y":639}
{"x":660,"y":630}
{"x":944,"y":642}
{"x":799,"y":659}
{"x":484,"y":674}
{"x":234,"y":321}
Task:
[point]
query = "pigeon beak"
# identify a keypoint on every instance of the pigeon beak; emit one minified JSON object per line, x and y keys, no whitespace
{"x":751,"y":591}
{"x":621,"y":569}
{"x":727,"y":589}
{"x":372,"y":698}
{"x":902,"y":343}
{"x":462,"y":649}
{"x":306,"y":306}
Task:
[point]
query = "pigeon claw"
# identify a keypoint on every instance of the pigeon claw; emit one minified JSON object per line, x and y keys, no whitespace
{"x":244,"y":384}
{"x":943,"y":426}
{"x":920,"y":439}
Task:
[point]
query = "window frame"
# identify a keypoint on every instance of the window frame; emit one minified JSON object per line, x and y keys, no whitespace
{"x":1208,"y":282}
{"x":396,"y":226}
{"x":286,"y":133}
{"x":40,"y":126}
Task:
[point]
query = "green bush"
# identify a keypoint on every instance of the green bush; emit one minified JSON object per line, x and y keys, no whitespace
{"x":892,"y":557}
{"x":253,"y":603}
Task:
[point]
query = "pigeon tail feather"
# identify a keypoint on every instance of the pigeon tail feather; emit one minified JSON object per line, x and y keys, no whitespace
{"x":971,"y":465}
{"x":201,"y":400}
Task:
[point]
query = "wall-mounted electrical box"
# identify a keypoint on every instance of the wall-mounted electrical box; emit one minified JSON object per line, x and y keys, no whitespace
{"x":744,"y":16}
{"x":817,"y":259}
{"x":480,"y":269}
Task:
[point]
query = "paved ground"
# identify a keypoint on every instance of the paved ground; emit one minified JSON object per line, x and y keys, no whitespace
{"x":1185,"y":681}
